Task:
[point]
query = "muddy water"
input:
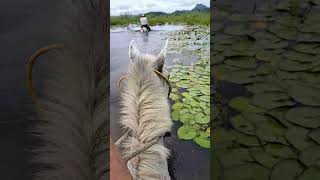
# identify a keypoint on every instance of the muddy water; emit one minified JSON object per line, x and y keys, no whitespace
{"x":188,"y":160}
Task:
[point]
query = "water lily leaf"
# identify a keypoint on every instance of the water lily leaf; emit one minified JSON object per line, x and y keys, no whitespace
{"x":297,"y":136}
{"x":243,"y":125}
{"x":244,"y":62}
{"x":291,"y":168}
{"x":264,"y":87}
{"x":246,"y":140}
{"x":271,"y":100}
{"x":186,"y":118}
{"x":310,"y":48}
{"x":310,"y":156}
{"x":235,"y":157}
{"x":222,"y":135}
{"x":204,"y":134}
{"x":239,"y":77}
{"x":280,"y":114}
{"x":271,"y":131}
{"x":262,"y":157}
{"x":175,"y":115}
{"x":201,"y":118}
{"x":284,"y":32}
{"x":315,"y":135}
{"x":310,"y":174}
{"x":292,"y":66}
{"x":203,"y":142}
{"x":242,"y":104}
{"x":245,"y":172}
{"x":236,"y":30}
{"x":177,"y":106}
{"x":187,"y":133}
{"x":305,"y":94}
{"x":204,"y":98}
{"x":304,"y":116}
{"x":281,"y":151}
{"x":300,"y":57}
{"x":174,"y":97}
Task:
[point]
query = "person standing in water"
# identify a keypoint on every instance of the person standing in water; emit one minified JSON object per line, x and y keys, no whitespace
{"x":144,"y":23}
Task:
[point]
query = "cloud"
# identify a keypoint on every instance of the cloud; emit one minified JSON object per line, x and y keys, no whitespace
{"x":118,"y":7}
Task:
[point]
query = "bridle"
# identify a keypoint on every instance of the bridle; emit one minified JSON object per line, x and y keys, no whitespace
{"x":157,"y":72}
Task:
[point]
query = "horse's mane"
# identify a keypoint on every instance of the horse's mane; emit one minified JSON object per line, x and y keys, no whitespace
{"x":146,"y":114}
{"x":72,"y":123}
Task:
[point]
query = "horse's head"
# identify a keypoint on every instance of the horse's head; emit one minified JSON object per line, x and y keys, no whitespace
{"x":155,"y":62}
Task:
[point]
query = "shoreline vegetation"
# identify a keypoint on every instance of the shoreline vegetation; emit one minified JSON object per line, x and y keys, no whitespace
{"x":187,"y":18}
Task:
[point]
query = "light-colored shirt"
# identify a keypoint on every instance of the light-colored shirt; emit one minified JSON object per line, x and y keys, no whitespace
{"x":143,"y":20}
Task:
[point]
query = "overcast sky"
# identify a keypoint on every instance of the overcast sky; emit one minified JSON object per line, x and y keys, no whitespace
{"x":118,"y":7}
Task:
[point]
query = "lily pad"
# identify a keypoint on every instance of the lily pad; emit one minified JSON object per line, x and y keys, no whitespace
{"x":187,"y":133}
{"x":264,"y":87}
{"x":203,"y":142}
{"x":247,"y":140}
{"x":249,"y":171}
{"x":243,"y":125}
{"x":297,"y":136}
{"x":242,"y":104}
{"x":291,"y":168}
{"x":310,"y":156}
{"x":306,"y":95}
{"x":262,"y":157}
{"x":315,"y":135}
{"x":175,"y":115}
{"x":312,"y":173}
{"x":304,"y":116}
{"x":235,"y":157}
{"x":271,"y":100}
{"x":281,"y":151}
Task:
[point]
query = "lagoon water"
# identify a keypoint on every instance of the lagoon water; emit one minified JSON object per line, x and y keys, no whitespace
{"x":188,"y":160}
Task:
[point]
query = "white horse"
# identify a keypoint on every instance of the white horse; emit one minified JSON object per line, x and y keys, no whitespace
{"x":146,"y":115}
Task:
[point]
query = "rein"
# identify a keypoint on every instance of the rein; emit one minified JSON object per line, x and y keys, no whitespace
{"x":157,"y":72}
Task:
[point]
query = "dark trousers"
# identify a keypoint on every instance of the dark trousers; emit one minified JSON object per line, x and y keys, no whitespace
{"x":146,"y":26}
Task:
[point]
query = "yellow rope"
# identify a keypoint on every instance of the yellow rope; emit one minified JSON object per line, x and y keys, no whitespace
{"x":29,"y":67}
{"x":157,"y":72}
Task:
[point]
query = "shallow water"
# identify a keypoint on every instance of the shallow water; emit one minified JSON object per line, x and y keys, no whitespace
{"x":188,"y":161}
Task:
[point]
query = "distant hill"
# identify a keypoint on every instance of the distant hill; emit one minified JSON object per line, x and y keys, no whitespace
{"x":198,"y":8}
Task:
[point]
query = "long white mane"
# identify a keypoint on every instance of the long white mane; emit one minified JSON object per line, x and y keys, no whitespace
{"x":146,"y":115}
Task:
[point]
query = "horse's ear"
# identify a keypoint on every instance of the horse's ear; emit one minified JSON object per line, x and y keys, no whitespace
{"x":161,"y":57}
{"x":133,"y":51}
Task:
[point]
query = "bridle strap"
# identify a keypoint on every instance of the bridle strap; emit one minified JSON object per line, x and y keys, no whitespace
{"x":157,"y":72}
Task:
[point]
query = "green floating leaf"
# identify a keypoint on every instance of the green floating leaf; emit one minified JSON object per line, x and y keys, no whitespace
{"x":297,"y":136}
{"x":222,"y":135}
{"x":271,"y":131}
{"x":280,"y":114}
{"x":201,"y":118}
{"x":242,"y":125}
{"x":271,"y":100}
{"x":310,"y":48}
{"x":262,"y":157}
{"x":315,"y":135}
{"x":310,"y":156}
{"x":300,"y":57}
{"x":246,"y":140}
{"x":291,"y":168}
{"x":174,"y":97}
{"x":187,"y":118}
{"x":281,"y":151}
{"x":235,"y":157}
{"x":304,"y":116}
{"x":203,"y":142}
{"x":242,"y":104}
{"x":177,"y":106}
{"x":290,"y":65}
{"x":239,"y":77}
{"x":175,"y":115}
{"x":249,"y":171}
{"x":264,"y":87}
{"x":305,"y":94}
{"x":187,"y":133}
{"x":312,"y":173}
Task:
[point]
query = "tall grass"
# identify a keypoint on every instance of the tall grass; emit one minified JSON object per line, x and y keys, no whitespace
{"x":189,"y":18}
